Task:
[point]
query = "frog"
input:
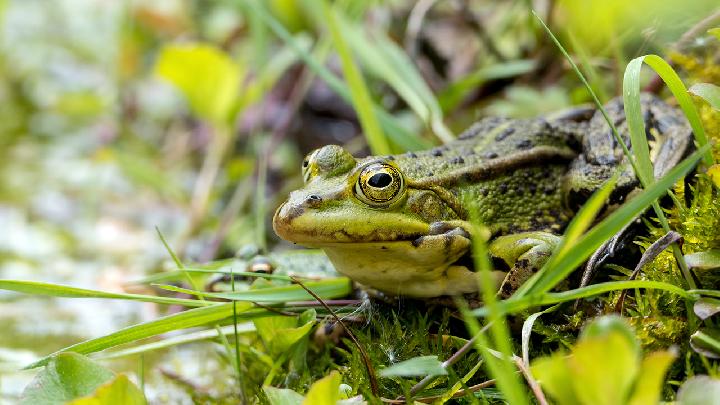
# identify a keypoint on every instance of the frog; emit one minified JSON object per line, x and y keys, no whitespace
{"x":404,"y":224}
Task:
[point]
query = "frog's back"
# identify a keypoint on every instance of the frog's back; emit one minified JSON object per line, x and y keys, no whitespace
{"x":512,"y":170}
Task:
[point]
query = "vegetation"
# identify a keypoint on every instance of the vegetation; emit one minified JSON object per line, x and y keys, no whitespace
{"x":192,"y":118}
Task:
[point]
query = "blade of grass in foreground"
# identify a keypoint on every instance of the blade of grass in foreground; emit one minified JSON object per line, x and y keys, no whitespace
{"x":182,"y":320}
{"x":502,"y":369}
{"x":397,"y":132}
{"x":359,"y":93}
{"x":325,"y":289}
{"x":515,"y":305}
{"x":55,"y":290}
{"x":548,"y":277}
{"x":631,"y":98}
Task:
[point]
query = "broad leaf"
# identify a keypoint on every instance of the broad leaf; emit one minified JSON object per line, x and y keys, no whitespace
{"x":699,"y":390}
{"x":66,"y":376}
{"x":118,"y":391}
{"x":417,"y":366}
{"x":708,"y":92}
{"x":325,"y":391}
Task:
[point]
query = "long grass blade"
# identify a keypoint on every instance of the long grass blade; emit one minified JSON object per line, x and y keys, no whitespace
{"x":515,"y":305}
{"x":359,"y":93}
{"x":56,"y":290}
{"x":631,"y":91}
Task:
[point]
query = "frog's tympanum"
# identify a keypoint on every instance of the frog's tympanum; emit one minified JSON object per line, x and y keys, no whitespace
{"x":399,"y":224}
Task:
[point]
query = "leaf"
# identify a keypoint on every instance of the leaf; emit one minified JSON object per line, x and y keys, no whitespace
{"x":118,"y":391}
{"x":699,"y":390}
{"x":708,"y":92}
{"x":607,"y":325}
{"x":648,"y":385}
{"x":279,"y":333}
{"x":706,"y":341}
{"x":553,"y":375}
{"x":714,"y":173}
{"x":282,"y":396}
{"x":207,"y":77}
{"x":706,"y":307}
{"x":65,"y":377}
{"x":704,"y":260}
{"x":325,"y":391}
{"x":417,"y":366}
{"x":604,"y":368}
{"x":715,"y":32}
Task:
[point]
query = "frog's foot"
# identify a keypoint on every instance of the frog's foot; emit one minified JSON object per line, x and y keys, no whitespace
{"x":524,"y":253}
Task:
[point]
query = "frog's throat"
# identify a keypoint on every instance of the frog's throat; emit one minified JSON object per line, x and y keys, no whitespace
{"x":423,"y":267}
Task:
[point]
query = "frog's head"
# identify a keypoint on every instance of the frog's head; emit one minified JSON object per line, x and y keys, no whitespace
{"x":373,"y":222}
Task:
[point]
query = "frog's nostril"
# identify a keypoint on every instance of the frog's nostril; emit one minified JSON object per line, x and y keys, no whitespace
{"x":313,"y":200}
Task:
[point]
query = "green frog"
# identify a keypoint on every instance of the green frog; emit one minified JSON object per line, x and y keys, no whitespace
{"x":399,"y":224}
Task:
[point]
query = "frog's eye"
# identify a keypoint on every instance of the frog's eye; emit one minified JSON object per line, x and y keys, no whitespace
{"x":308,"y":165}
{"x":379,"y":184}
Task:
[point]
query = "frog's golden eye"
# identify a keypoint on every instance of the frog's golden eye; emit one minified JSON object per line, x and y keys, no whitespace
{"x":379,"y":184}
{"x":308,"y":166}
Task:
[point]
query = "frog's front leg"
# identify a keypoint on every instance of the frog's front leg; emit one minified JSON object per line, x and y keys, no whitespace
{"x":524,"y":253}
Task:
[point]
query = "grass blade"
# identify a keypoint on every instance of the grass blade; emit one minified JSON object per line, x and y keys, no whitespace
{"x":515,"y":305}
{"x":56,"y":290}
{"x":399,"y":134}
{"x":631,"y":92}
{"x":325,"y":289}
{"x":359,"y":93}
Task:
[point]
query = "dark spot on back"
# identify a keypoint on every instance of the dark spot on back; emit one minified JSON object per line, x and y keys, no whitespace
{"x":457,"y":160}
{"x":524,"y":144}
{"x":503,"y":188}
{"x":436,"y":152}
{"x":412,"y":155}
{"x":490,"y":155}
{"x":504,"y":134}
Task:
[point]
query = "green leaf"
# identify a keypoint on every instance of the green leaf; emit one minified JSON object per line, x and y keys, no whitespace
{"x":207,"y":77}
{"x":417,"y":366}
{"x":607,"y":325}
{"x":706,"y":341}
{"x":55,"y":290}
{"x":279,"y":333}
{"x":282,"y":396}
{"x":649,"y":383}
{"x":604,"y":368}
{"x":118,"y":391}
{"x":715,"y":32}
{"x":708,"y":92}
{"x":325,"y":391}
{"x":553,"y":375}
{"x":699,"y":390}
{"x":182,"y":320}
{"x":704,"y":260}
{"x":704,"y":308}
{"x":66,"y":376}
{"x":359,"y":93}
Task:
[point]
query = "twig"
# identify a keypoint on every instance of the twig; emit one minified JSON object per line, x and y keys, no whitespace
{"x":532,"y":382}
{"x":650,"y":254}
{"x":460,"y":393}
{"x":366,"y":359}
{"x":449,"y":362}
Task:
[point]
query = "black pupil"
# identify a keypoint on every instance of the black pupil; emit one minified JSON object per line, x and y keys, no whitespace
{"x":305,"y":163}
{"x":380,"y":180}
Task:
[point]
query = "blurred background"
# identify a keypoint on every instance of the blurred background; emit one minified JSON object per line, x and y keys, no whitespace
{"x":192,"y":117}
